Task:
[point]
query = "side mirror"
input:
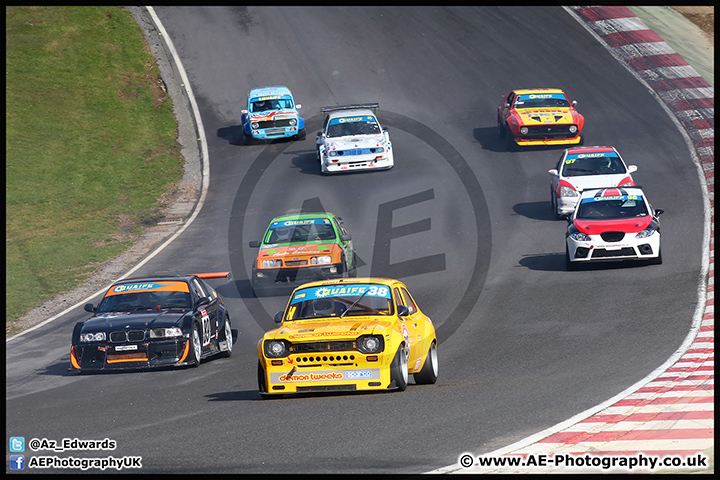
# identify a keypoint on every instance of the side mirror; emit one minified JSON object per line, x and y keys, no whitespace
{"x":553,"y":172}
{"x":574,"y":103}
{"x":298,"y":106}
{"x":345,"y":237}
{"x":632,"y":168}
{"x":244,"y":110}
{"x":567,"y":216}
{"x":658,"y":211}
{"x":89,"y":308}
{"x":278,"y":316}
{"x":507,"y":105}
{"x":403,"y":310}
{"x":205,"y":301}
{"x":254,"y":244}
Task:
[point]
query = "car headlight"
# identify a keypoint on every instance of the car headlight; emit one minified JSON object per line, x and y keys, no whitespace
{"x":524,"y":130}
{"x":370,"y":343}
{"x":292,"y":122}
{"x":648,"y":232}
{"x":166,"y":332}
{"x":573,"y":128}
{"x":332,"y":153}
{"x":379,"y":150}
{"x":566,"y":191}
{"x":580,"y":237}
{"x":324,"y":260}
{"x":276,"y":348}
{"x":254,"y":125}
{"x":92,"y":337}
{"x":271,"y":263}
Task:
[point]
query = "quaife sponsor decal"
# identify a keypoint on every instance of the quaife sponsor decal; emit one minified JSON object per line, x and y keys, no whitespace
{"x":321,"y":376}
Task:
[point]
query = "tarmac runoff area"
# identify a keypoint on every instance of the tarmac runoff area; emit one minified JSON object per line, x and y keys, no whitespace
{"x":665,"y":423}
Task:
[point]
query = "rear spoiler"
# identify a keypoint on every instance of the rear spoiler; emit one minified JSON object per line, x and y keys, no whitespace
{"x":212,"y":275}
{"x":349,"y":107}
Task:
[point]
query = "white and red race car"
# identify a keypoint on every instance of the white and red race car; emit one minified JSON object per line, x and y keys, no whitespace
{"x":613,"y":224}
{"x":580,"y":168}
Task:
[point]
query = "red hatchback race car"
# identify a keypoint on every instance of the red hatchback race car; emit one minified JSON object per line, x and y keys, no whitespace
{"x":539,"y":116}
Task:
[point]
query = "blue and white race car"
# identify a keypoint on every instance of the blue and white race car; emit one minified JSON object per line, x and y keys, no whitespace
{"x":271,"y":113}
{"x":352,"y":139}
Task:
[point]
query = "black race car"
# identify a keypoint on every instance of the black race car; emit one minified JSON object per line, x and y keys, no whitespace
{"x":153,"y":322}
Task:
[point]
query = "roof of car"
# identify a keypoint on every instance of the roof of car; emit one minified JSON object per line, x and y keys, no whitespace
{"x":611,"y":192}
{"x":522,"y":91}
{"x":302,"y":216}
{"x":271,"y":90}
{"x":351,"y":113}
{"x":588,"y":149}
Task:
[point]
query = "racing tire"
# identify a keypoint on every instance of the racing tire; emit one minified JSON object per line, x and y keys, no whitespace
{"x":570,"y":266}
{"x":301,"y":135}
{"x":248,"y":139}
{"x":399,"y":369}
{"x":658,"y":260}
{"x":195,"y":346}
{"x":429,"y":372}
{"x":500,"y":127}
{"x":262,"y":387}
{"x":227,"y":337}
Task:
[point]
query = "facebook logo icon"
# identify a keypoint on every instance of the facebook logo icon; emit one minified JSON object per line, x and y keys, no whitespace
{"x":17,"y":462}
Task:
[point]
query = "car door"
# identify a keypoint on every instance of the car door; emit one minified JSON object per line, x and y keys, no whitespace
{"x":409,"y":324}
{"x":345,"y":245}
{"x":205,"y":313}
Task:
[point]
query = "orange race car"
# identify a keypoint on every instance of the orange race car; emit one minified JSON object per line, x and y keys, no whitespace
{"x":539,"y":116}
{"x":297,"y":248}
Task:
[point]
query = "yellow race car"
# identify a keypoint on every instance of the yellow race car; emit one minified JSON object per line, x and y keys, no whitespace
{"x":347,"y":334}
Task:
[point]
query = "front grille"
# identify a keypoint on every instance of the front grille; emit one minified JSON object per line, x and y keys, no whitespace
{"x":623,"y":252}
{"x":612,"y":236}
{"x":358,"y":151}
{"x":548,"y":131}
{"x":295,"y":263}
{"x":274,"y":123}
{"x":323,"y":346}
{"x":129,"y":336}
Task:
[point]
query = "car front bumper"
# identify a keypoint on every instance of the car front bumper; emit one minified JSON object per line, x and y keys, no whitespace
{"x":147,"y":354}
{"x":356,"y":163}
{"x":284,"y":276}
{"x":327,"y":372}
{"x":600,"y":251}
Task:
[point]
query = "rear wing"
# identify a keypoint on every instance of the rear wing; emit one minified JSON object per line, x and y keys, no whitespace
{"x":349,"y":107}
{"x":212,"y":275}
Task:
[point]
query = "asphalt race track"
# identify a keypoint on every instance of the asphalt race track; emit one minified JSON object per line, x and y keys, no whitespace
{"x":463,"y":222}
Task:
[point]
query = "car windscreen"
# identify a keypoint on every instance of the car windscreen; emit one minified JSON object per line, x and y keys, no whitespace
{"x":146,"y":296}
{"x":357,"y":125}
{"x":541,"y":100}
{"x":592,"y":164}
{"x":611,"y":208}
{"x":270,"y":102}
{"x":300,"y":231}
{"x":340,"y":301}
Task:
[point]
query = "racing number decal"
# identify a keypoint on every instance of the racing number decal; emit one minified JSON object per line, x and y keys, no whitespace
{"x":205,"y":327}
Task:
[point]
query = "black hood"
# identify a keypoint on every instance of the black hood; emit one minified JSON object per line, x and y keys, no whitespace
{"x":133,"y":320}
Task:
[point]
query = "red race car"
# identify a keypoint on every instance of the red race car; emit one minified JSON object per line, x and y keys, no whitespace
{"x":539,"y":116}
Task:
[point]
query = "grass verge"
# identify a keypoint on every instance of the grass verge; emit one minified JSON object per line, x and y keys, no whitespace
{"x":90,"y":146}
